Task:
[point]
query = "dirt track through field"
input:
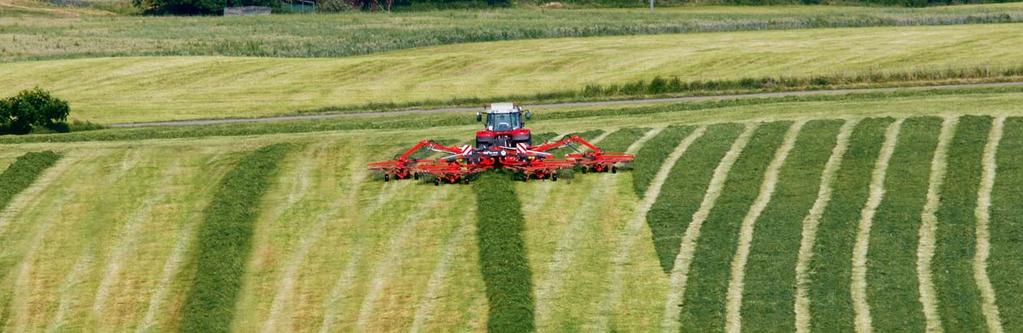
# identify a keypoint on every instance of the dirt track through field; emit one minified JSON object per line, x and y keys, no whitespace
{"x":631,"y":232}
{"x":733,"y":319}
{"x":669,"y":100}
{"x":680,"y":271}
{"x":812,"y":221}
{"x":928,"y":229}
{"x":858,"y":286}
{"x":983,"y":214}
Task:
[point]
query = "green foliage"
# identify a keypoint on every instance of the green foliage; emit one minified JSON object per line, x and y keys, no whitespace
{"x":33,"y":107}
{"x":709,"y":273}
{"x":1007,"y":227}
{"x":334,"y":6}
{"x":768,"y":295}
{"x":653,"y":153}
{"x":830,"y":269}
{"x":22,"y":173}
{"x":892,"y":287}
{"x":955,"y":239}
{"x":685,"y":187}
{"x":192,"y":7}
{"x":224,"y":241}
{"x":503,"y":260}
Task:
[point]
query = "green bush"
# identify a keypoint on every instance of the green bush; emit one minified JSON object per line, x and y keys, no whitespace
{"x":224,"y":241}
{"x":333,"y":6}
{"x":22,"y":173}
{"x":503,"y":260}
{"x":33,"y":107}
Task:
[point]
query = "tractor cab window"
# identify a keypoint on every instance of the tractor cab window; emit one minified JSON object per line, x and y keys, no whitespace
{"x":503,"y":121}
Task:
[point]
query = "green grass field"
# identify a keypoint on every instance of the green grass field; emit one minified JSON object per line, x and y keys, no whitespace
{"x":108,"y":90}
{"x":108,"y":238}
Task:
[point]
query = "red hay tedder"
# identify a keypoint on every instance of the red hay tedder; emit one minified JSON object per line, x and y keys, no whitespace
{"x":504,"y":143}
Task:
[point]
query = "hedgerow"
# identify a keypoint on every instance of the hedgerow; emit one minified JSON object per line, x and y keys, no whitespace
{"x":829,"y":286}
{"x":224,"y":241}
{"x":22,"y":173}
{"x":891,"y":274}
{"x":768,"y":297}
{"x":955,"y":239}
{"x":1007,"y":228}
{"x":503,"y":261}
{"x":437,"y":120}
{"x":707,"y":284}
{"x":685,"y":187}
{"x":652,"y":155}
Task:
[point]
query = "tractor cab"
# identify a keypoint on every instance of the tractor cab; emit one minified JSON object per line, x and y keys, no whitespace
{"x":504,"y":128}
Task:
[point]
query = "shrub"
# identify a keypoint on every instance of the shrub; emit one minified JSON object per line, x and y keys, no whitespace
{"x":503,"y":260}
{"x":22,"y":173}
{"x":33,"y":107}
{"x":334,"y":6}
{"x":224,"y":241}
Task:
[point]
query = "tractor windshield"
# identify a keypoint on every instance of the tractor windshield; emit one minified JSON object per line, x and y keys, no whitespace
{"x":503,"y":121}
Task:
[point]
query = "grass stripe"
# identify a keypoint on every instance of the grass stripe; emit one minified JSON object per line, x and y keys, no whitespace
{"x":652,"y":156}
{"x":1007,"y":227}
{"x":224,"y":241}
{"x":958,"y":300}
{"x":503,"y":259}
{"x":680,"y":265}
{"x":439,"y":278}
{"x":731,"y":193}
{"x":768,"y":294}
{"x":733,"y":305}
{"x":928,"y":227}
{"x":890,"y":272}
{"x":20,"y":175}
{"x":829,"y":270}
{"x":983,"y":216}
{"x":632,"y":229}
{"x":811,"y":224}
{"x":858,"y":285}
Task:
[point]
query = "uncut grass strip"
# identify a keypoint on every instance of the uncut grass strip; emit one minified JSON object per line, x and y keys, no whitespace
{"x":688,"y":183}
{"x":858,"y":283}
{"x":503,"y":258}
{"x":710,"y":239}
{"x":635,"y":224}
{"x":928,"y":227}
{"x":224,"y":241}
{"x":652,"y":156}
{"x":983,"y":216}
{"x":958,"y":299}
{"x":622,"y":139}
{"x":891,"y":278}
{"x":811,"y":223}
{"x":829,"y":270}
{"x":768,"y":293}
{"x":681,"y":262}
{"x":733,"y":301}
{"x":1007,"y":227}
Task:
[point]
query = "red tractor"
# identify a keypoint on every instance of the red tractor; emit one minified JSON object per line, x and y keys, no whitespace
{"x":506,"y":143}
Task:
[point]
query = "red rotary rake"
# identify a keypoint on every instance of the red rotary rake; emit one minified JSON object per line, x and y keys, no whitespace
{"x":505,"y":143}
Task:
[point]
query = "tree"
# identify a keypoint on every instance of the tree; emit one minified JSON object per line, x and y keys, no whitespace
{"x":33,"y":107}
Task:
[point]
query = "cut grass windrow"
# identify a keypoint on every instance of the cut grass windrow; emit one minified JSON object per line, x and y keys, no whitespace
{"x":1007,"y":227}
{"x":632,"y":229}
{"x":699,"y":281}
{"x":858,"y":285}
{"x":503,"y":259}
{"x":890,"y":273}
{"x":811,"y":223}
{"x":929,"y":225}
{"x":22,"y":173}
{"x":223,"y":242}
{"x":983,"y":216}
{"x":733,"y":305}
{"x":681,"y":262}
{"x":829,"y":269}
{"x":958,"y":299}
{"x":768,"y":293}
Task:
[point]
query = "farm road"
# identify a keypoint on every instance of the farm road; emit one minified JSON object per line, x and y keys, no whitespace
{"x":328,"y":115}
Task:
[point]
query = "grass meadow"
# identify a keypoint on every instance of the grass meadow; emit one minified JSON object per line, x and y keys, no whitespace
{"x":111,"y":90}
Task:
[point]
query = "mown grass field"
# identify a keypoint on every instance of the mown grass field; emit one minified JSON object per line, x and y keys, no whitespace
{"x":108,"y":90}
{"x":108,"y":238}
{"x":41,"y":31}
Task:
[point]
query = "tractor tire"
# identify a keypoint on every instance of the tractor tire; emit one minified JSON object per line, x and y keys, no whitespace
{"x":436,"y":182}
{"x":614,"y":169}
{"x":387,"y":177}
{"x":465,"y":180}
{"x":554,"y":177}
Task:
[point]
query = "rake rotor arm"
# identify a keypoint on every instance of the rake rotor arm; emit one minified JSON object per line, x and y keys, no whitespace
{"x":428,"y":144}
{"x":564,"y":142}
